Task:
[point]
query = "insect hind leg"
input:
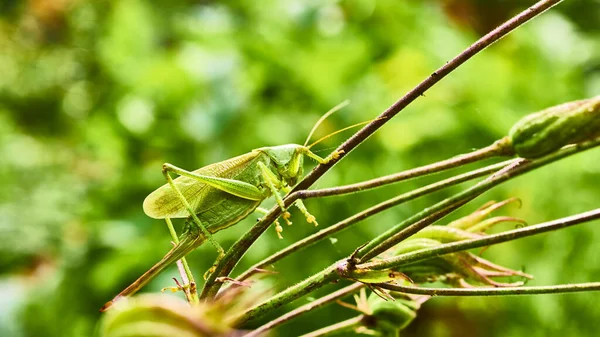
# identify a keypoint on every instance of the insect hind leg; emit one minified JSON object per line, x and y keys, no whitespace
{"x":221,"y":252}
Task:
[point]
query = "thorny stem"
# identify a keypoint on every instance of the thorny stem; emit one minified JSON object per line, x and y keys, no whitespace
{"x":347,"y":326}
{"x":424,"y":254}
{"x":329,"y":274}
{"x":555,"y":289}
{"x":235,"y":253}
{"x":346,"y":223}
{"x":306,"y":308}
{"x":415,"y":223}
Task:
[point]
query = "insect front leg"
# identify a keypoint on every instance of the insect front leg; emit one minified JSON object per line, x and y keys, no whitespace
{"x":273,"y":183}
{"x":170,"y":168}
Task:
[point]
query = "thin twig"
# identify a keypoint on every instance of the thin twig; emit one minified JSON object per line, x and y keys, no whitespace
{"x":424,"y":254}
{"x":348,"y":222}
{"x":501,"y":147}
{"x":555,"y":289}
{"x":239,"y":248}
{"x":300,"y":289}
{"x":346,"y":326}
{"x":306,"y":308}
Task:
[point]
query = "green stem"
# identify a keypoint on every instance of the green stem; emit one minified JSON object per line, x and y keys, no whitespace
{"x":316,"y":281}
{"x":501,"y":147}
{"x":346,"y":327}
{"x":555,"y":289}
{"x":425,"y":254}
{"x":348,"y":222}
{"x":415,"y":223}
{"x":306,"y":308}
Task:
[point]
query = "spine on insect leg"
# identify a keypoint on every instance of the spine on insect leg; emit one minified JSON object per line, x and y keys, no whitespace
{"x":189,"y":241}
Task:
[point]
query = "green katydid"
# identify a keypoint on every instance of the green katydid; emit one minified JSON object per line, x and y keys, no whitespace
{"x":220,"y":195}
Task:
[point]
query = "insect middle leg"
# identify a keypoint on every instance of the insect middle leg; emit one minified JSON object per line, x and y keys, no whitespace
{"x":221,"y":252}
{"x":273,"y":183}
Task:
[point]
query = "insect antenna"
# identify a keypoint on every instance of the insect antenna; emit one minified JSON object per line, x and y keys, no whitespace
{"x":327,"y":114}
{"x":338,"y":131}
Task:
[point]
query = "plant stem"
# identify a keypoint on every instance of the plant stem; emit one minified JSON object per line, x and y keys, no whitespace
{"x":424,"y":254}
{"x":346,"y":223}
{"x":555,"y":289}
{"x":235,"y":253}
{"x":187,"y":275}
{"x":415,"y":223}
{"x":501,"y":147}
{"x":346,"y":326}
{"x":485,"y":41}
{"x":306,"y":308}
{"x":316,"y":281}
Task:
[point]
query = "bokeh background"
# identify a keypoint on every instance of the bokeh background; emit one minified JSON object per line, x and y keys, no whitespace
{"x":96,"y":95}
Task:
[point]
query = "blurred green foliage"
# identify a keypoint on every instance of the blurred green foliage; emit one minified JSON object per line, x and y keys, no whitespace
{"x":96,"y":95}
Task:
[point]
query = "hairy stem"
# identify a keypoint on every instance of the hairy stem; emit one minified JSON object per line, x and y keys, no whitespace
{"x":316,"y":281}
{"x":306,"y":308}
{"x":347,"y":326}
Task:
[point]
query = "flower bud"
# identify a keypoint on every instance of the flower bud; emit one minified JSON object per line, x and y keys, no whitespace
{"x":546,"y":131}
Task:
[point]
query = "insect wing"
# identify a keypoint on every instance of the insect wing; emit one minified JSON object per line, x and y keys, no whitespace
{"x":165,"y":203}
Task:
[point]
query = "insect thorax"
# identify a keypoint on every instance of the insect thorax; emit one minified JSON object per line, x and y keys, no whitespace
{"x":287,"y":160}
